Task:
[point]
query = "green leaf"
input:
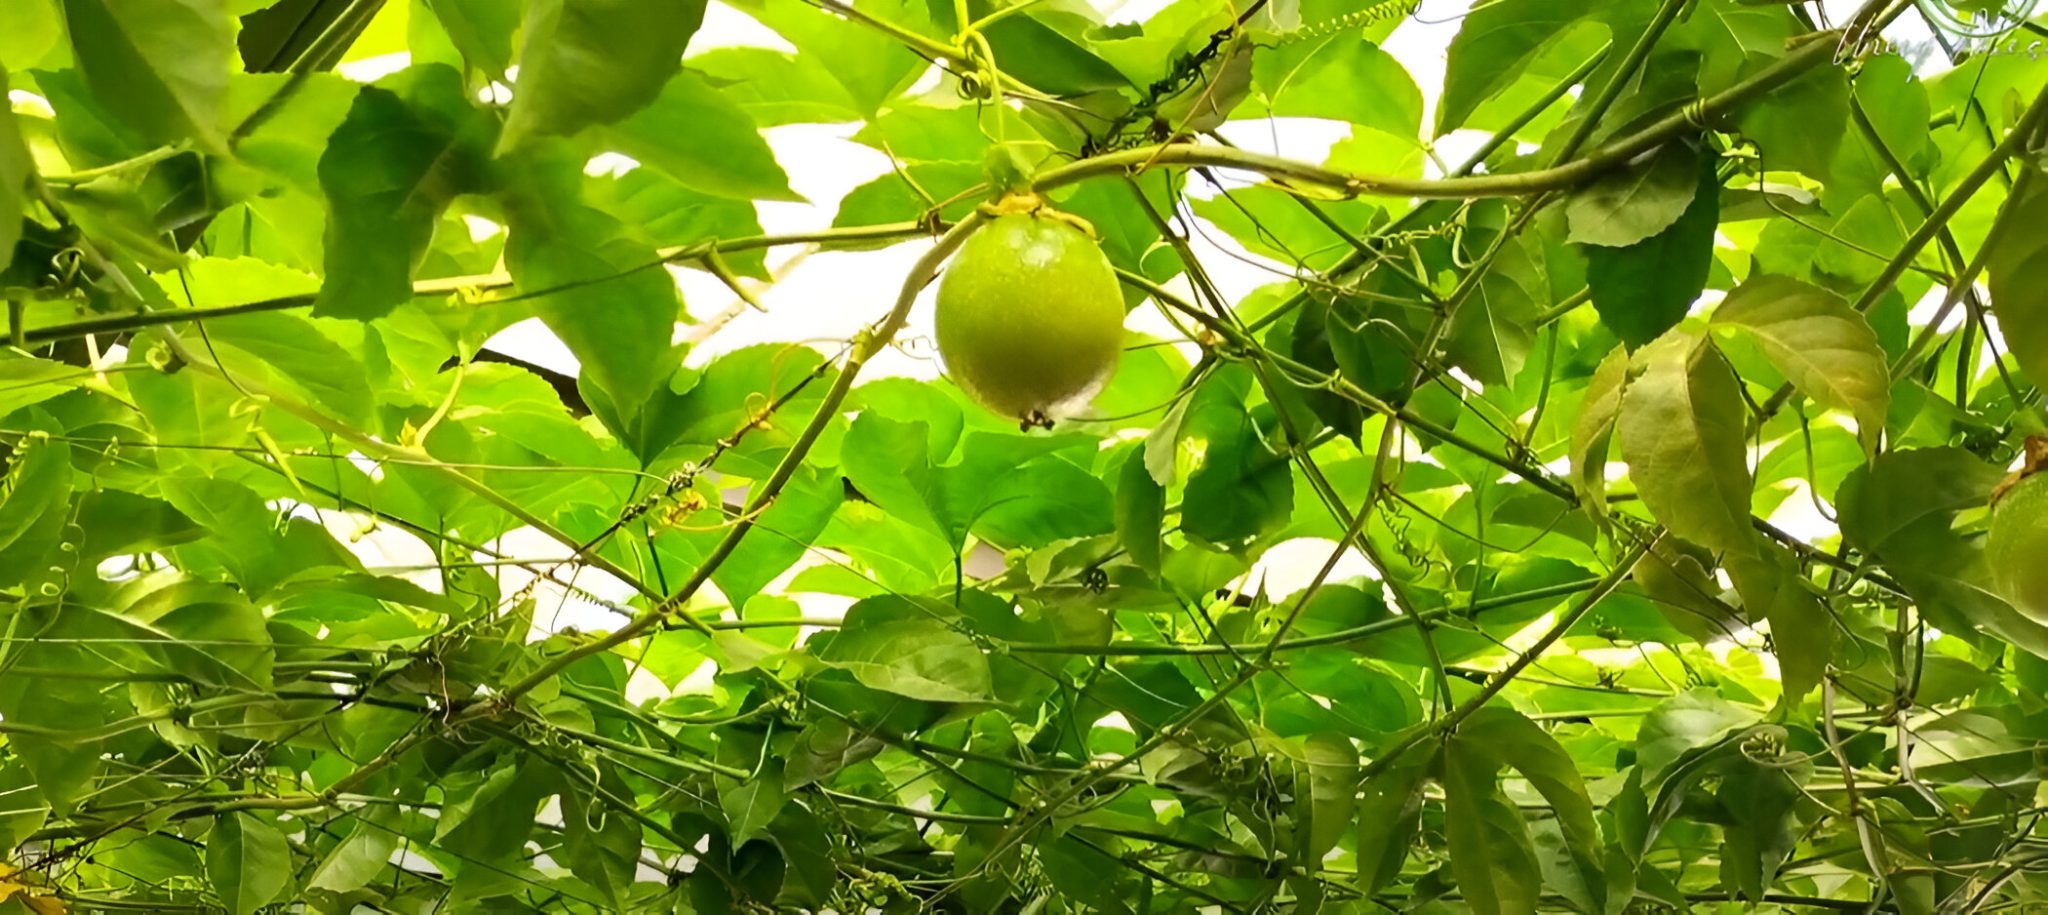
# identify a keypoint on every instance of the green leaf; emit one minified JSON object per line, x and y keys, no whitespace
{"x":33,"y":512}
{"x":1903,"y":508}
{"x":1492,"y":856}
{"x":1593,"y":432}
{"x":1825,"y":348}
{"x":704,"y":140}
{"x":921,"y":659}
{"x":1799,"y":125}
{"x":1140,"y":512}
{"x":1635,"y":203}
{"x":1644,"y":289}
{"x":26,"y":380}
{"x":247,"y":861}
{"x":776,"y":88}
{"x":595,"y":290}
{"x":752,"y":804}
{"x":358,"y":858}
{"x":159,"y":65}
{"x":2018,"y":276}
{"x":1802,"y":632}
{"x":490,"y":813}
{"x":1494,"y":45}
{"x":1491,"y":334}
{"x":589,"y":62}
{"x":409,"y":145}
{"x":1680,"y":725}
{"x":1329,"y":85}
{"x":1760,"y":798}
{"x":123,"y":522}
{"x":1682,"y":430}
{"x":16,"y":168}
{"x":481,"y":30}
{"x":300,"y":354}
{"x":1389,"y":815}
{"x":870,"y":67}
{"x":1239,"y":488}
{"x":1524,"y":747}
{"x":600,"y":844}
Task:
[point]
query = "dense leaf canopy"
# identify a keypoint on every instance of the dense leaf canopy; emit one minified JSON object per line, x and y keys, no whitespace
{"x":1587,"y":514}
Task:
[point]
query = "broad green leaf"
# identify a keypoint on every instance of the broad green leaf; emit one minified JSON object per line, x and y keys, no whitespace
{"x":114,"y":521}
{"x":33,"y":512}
{"x":209,"y":633}
{"x":1331,"y":781}
{"x":490,"y":813}
{"x":1347,"y":79}
{"x":1140,"y":512}
{"x":300,"y":354}
{"x":775,"y":87}
{"x":1495,"y":43}
{"x":410,"y":144}
{"x":1882,"y":505}
{"x":26,"y":380}
{"x":703,"y":140}
{"x":1799,"y":125}
{"x":1644,"y":289}
{"x":2018,"y":276}
{"x":1593,"y":432}
{"x":248,"y":862}
{"x":481,"y":30}
{"x":921,"y":659}
{"x":1861,"y":240}
{"x":751,"y":804}
{"x":870,"y":66}
{"x":1524,"y":747}
{"x":1632,"y":204}
{"x":1895,"y":102}
{"x":601,"y":844}
{"x":1761,"y":797}
{"x":603,"y":295}
{"x":1492,"y":332}
{"x":1389,"y":811}
{"x":1903,"y":508}
{"x":1238,"y":488}
{"x":1048,"y":47}
{"x":1802,"y":632}
{"x":1681,"y":725}
{"x":1818,"y":342}
{"x":1681,"y":430}
{"x":590,"y":62}
{"x":159,"y":65}
{"x":1677,"y":578}
{"x":359,"y":857}
{"x":1492,"y":856}
{"x":1734,"y":38}
{"x":15,"y":170}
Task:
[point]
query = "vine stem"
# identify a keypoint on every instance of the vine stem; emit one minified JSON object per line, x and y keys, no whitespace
{"x":1559,"y":177}
{"x":696,"y":251}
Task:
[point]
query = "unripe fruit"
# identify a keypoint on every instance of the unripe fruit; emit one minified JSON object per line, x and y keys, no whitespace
{"x":2018,"y":545}
{"x":1030,"y":318}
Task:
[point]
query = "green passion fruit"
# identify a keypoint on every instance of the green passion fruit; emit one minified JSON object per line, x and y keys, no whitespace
{"x":1030,"y":318}
{"x":2018,"y":544}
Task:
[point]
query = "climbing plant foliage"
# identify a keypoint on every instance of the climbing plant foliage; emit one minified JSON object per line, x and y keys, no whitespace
{"x":1587,"y":514}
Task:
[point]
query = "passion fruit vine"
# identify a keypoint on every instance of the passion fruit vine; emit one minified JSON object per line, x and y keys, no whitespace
{"x":1030,"y":318}
{"x":2018,"y":544}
